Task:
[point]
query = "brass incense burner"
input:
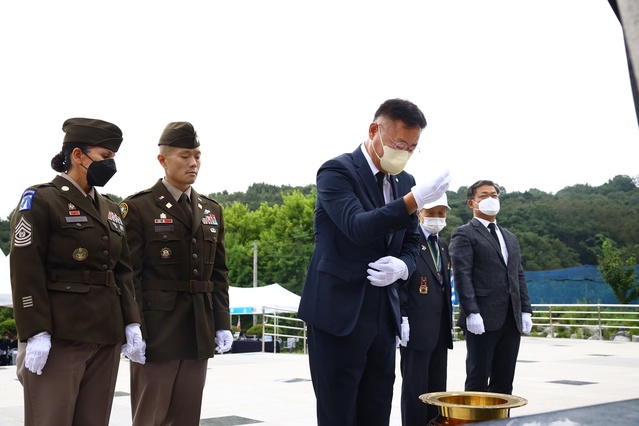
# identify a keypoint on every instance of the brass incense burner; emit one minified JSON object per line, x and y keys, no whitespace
{"x":457,"y":408}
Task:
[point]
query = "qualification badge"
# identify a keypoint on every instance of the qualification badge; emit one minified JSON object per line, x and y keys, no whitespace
{"x":423,"y":285}
{"x":80,"y":254}
{"x":165,"y":253}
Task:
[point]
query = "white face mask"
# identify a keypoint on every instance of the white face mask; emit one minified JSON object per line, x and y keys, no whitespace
{"x":433,"y":225}
{"x":489,"y":206}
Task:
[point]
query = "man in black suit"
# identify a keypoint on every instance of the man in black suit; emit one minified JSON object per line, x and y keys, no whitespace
{"x":426,"y":308}
{"x":365,"y":241}
{"x":493,"y":295}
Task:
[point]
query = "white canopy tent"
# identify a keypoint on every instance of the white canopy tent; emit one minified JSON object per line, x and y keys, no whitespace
{"x":251,"y":300}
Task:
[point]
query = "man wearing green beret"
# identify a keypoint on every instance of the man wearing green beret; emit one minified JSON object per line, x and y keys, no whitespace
{"x":176,"y":238}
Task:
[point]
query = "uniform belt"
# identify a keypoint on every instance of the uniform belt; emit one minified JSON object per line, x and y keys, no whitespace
{"x":191,"y":286}
{"x":87,"y":277}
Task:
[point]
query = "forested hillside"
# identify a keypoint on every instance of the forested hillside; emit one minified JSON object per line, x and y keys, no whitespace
{"x":556,"y":231}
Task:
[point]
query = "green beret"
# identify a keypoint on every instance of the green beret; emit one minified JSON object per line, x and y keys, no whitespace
{"x":180,"y":134}
{"x":92,"y":132}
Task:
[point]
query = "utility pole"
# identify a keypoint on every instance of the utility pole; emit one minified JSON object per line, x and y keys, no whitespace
{"x":254,"y":272}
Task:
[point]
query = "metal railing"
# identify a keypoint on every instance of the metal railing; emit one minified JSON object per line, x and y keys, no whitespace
{"x":600,"y":320}
{"x":278,"y":326}
{"x":553,"y":320}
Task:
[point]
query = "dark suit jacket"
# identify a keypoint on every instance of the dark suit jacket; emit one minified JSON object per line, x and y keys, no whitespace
{"x":426,"y":312}
{"x":351,"y":229}
{"x":484,"y":283}
{"x":180,"y":272}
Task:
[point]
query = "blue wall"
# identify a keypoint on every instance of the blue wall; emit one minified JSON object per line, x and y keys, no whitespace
{"x":581,"y":284}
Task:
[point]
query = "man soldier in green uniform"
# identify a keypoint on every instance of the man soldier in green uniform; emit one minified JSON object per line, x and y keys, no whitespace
{"x":176,"y":238}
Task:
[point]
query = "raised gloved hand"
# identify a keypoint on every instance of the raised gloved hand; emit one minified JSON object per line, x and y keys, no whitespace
{"x":425,"y":192}
{"x":526,"y":322}
{"x":475,"y":324}
{"x":387,"y":270}
{"x":135,"y":346}
{"x":223,"y":340}
{"x":405,"y":330}
{"x":37,"y":352}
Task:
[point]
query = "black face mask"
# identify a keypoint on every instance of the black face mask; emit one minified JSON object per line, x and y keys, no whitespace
{"x":100,"y":172}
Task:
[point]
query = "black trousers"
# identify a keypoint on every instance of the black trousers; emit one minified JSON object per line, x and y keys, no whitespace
{"x":353,"y":375}
{"x":491,"y":358}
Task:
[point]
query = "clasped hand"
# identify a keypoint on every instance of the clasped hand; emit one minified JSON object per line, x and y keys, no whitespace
{"x":386,"y":270}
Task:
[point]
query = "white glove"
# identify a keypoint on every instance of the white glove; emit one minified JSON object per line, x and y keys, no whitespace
{"x":135,"y":346}
{"x":223,"y":340}
{"x":37,"y":352}
{"x":426,"y":192}
{"x":405,"y":329}
{"x":475,"y":324}
{"x":526,"y":322}
{"x":387,"y":270}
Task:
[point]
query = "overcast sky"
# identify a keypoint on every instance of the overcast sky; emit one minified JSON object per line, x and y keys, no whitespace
{"x":531,"y":94}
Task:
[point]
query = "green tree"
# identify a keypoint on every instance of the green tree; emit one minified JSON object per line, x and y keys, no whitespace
{"x":619,"y":272}
{"x":288,"y":242}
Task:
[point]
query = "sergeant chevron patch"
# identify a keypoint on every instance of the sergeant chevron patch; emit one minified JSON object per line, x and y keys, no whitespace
{"x":23,"y":235}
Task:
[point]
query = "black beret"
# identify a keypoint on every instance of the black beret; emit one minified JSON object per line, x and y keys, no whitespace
{"x":92,"y":132}
{"x":180,"y":134}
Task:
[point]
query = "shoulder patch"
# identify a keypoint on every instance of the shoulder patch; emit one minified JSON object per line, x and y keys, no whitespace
{"x":27,"y":200}
{"x":23,"y":234}
{"x":124,"y":209}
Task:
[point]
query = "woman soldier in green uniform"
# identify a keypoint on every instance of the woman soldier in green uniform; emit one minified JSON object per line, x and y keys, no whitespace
{"x":71,"y":279}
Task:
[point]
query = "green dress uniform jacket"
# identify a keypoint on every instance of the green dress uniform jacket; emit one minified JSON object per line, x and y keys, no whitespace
{"x":180,"y":272}
{"x":71,"y":274}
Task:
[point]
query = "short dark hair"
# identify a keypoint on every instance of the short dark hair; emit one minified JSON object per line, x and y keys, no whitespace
{"x":472,"y":189}
{"x":401,"y":109}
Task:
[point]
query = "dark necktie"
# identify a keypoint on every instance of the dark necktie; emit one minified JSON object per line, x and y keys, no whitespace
{"x":93,"y":203}
{"x":186,"y":206}
{"x":380,"y":184}
{"x":493,"y":232}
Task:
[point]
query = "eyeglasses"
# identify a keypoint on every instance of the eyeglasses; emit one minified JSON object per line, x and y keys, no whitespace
{"x":401,"y":146}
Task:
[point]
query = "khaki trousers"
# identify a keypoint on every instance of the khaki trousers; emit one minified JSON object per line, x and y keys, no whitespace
{"x":167,"y":393}
{"x":75,"y":388}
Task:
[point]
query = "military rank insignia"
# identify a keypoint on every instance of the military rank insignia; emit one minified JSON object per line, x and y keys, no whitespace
{"x":23,"y":234}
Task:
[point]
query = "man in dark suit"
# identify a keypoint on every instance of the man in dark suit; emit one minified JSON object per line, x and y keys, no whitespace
{"x":493,"y":295}
{"x":180,"y":275}
{"x":427,"y":321}
{"x":365,"y":241}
